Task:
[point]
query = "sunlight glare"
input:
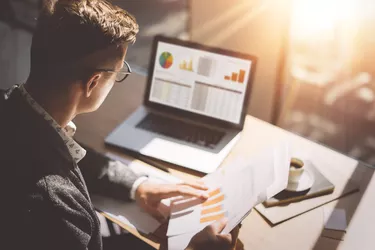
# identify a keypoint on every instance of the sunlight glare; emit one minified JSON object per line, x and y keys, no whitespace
{"x":313,"y":18}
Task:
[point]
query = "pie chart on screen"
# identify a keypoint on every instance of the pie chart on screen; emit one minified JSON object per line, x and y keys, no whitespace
{"x":166,"y":60}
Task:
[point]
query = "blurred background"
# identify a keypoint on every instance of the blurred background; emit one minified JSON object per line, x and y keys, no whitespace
{"x":315,"y":75}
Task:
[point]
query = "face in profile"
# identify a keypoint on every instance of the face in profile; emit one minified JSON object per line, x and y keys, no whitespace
{"x":100,"y":91}
{"x":98,"y":86}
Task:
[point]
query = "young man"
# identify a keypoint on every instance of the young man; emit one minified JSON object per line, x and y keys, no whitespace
{"x":77,"y":55}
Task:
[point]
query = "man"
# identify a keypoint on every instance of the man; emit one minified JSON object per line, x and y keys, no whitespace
{"x":77,"y":55}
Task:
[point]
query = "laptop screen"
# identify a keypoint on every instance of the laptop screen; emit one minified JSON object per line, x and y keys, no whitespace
{"x":198,"y":81}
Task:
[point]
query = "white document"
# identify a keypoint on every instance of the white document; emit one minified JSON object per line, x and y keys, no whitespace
{"x":234,"y":190}
{"x":180,"y":241}
{"x":130,"y":213}
{"x":281,"y":170}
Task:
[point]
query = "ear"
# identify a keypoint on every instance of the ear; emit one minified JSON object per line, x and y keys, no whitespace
{"x":92,"y":84}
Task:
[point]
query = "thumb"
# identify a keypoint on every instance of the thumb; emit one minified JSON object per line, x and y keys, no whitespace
{"x":219,"y":225}
{"x":226,"y":239}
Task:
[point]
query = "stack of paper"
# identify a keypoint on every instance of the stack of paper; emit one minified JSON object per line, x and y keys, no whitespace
{"x":233,"y":191}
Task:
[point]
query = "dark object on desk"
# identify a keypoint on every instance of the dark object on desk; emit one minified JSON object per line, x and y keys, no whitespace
{"x":321,"y":186}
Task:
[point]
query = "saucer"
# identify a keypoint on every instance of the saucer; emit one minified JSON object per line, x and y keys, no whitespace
{"x":305,"y":182}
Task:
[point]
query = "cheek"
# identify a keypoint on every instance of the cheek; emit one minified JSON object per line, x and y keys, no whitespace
{"x":107,"y":89}
{"x":104,"y":91}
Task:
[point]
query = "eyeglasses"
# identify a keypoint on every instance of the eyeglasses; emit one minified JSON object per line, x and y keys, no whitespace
{"x":122,"y":74}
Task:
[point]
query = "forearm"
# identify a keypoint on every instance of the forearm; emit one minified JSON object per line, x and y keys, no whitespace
{"x":107,"y":177}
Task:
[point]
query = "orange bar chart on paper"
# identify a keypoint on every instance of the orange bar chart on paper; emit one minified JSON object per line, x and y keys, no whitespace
{"x":186,"y":216}
{"x":213,"y":208}
{"x":218,"y":208}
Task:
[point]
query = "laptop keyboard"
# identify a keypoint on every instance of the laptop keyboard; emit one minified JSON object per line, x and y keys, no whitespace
{"x":188,"y":132}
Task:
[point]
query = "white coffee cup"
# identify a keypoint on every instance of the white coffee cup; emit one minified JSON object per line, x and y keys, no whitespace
{"x":296,"y":170}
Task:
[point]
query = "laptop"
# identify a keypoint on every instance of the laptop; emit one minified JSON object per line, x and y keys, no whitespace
{"x":194,"y":106}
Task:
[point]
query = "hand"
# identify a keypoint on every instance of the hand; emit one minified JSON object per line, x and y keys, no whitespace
{"x":149,"y":195}
{"x":210,"y":238}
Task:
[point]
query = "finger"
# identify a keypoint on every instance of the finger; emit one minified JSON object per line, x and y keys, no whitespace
{"x":219,"y":225}
{"x":176,"y":190}
{"x":235,"y":232}
{"x":226,"y":239}
{"x":178,"y":198}
{"x":195,"y":184}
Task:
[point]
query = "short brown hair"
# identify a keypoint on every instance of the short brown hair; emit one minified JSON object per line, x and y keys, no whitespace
{"x":68,"y":30}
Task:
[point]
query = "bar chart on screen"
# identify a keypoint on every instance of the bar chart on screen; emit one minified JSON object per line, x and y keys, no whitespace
{"x":186,"y":65}
{"x":238,"y":77}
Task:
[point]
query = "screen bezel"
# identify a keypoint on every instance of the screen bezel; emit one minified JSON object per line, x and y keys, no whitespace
{"x":188,"y":114}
